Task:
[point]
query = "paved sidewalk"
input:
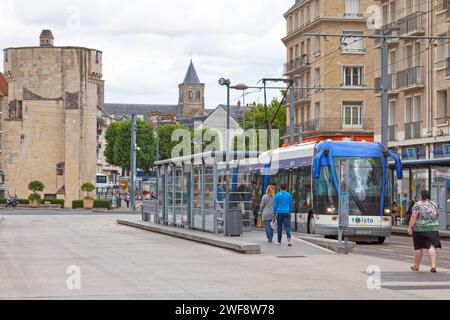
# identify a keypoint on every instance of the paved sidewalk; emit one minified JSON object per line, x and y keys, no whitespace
{"x":118,"y":262}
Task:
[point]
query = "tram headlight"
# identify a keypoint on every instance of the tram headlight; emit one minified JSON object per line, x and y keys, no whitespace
{"x":387,"y":211}
{"x":331,"y":210}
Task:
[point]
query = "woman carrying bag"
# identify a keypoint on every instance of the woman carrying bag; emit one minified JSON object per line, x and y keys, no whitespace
{"x":267,"y":211}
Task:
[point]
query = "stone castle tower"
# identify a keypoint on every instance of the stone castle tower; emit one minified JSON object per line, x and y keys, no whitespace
{"x":192,"y":94}
{"x":49,"y":121}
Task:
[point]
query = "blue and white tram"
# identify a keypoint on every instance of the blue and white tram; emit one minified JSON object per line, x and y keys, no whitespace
{"x":312,"y":173}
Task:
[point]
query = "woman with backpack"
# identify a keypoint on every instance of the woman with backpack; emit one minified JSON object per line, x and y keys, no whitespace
{"x":267,"y":211}
{"x":424,"y":228}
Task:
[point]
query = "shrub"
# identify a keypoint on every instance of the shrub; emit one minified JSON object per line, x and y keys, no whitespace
{"x":34,"y":197}
{"x":23,"y":201}
{"x":3,"y":201}
{"x":102,"y":204}
{"x":77,"y":204}
{"x":35,"y":187}
{"x":88,"y":188}
{"x":53,"y":201}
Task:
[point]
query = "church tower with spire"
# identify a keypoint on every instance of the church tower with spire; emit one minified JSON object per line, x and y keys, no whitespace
{"x":192,"y":94}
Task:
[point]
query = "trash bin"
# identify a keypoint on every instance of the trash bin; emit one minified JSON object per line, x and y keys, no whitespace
{"x":233,"y":223}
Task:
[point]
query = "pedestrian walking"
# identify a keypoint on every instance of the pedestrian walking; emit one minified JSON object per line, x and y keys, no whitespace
{"x":282,"y":207}
{"x":127,"y":200}
{"x":424,"y":228}
{"x":395,"y":213}
{"x":267,"y":211}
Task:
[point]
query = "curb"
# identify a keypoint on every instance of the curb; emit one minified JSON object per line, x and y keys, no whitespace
{"x":329,"y":244}
{"x":204,"y":238}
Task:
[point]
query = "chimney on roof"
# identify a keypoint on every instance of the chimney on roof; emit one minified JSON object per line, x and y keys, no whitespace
{"x":46,"y":38}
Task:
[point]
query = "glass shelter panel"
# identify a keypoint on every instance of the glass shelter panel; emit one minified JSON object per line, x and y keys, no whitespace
{"x":198,"y":198}
{"x":209,"y":190}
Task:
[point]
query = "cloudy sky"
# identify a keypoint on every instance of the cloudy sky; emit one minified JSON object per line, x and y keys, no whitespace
{"x":147,"y":44}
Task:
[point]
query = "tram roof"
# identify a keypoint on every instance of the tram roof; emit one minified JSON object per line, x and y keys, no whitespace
{"x":445,"y":162}
{"x":216,"y":156}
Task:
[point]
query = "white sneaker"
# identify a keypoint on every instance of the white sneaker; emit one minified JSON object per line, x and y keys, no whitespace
{"x":279,"y":243}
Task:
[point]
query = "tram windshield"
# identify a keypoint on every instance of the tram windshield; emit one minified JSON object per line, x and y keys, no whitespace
{"x":365,"y":187}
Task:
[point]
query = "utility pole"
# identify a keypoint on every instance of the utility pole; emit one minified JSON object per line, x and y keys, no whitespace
{"x":384,"y":93}
{"x":133,"y":161}
{"x":292,"y":117}
{"x":384,"y":68}
{"x":157,"y":139}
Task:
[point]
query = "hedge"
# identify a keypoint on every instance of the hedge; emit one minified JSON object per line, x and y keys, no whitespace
{"x":103,"y":204}
{"x":76,"y":204}
{"x":53,"y":201}
{"x":3,"y":201}
{"x":23,"y":201}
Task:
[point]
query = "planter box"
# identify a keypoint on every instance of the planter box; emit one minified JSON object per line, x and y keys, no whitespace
{"x":88,"y":204}
{"x":34,"y":203}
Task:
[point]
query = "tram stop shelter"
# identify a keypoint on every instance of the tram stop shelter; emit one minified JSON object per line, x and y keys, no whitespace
{"x":426,"y":174}
{"x":192,"y":191}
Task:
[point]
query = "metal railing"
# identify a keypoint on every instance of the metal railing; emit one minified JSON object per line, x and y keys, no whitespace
{"x":389,"y":29}
{"x":411,"y":23}
{"x":410,"y":77}
{"x":334,"y":124}
{"x":412,"y":130}
{"x":392,"y":85}
{"x":392,"y":133}
{"x":300,"y":62}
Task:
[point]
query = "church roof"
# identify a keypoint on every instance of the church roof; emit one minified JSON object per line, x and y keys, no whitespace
{"x":46,"y":34}
{"x":122,"y":109}
{"x":191,"y":75}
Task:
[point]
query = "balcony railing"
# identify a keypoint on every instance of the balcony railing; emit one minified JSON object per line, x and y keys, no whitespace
{"x":410,"y":77}
{"x":392,"y":86}
{"x":411,"y":23}
{"x":302,"y":94}
{"x":300,"y":62}
{"x":390,"y":29}
{"x":412,"y":130}
{"x":392,"y":133}
{"x":334,"y":124}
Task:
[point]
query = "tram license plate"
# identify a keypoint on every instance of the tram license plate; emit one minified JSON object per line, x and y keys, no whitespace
{"x":363,"y":232}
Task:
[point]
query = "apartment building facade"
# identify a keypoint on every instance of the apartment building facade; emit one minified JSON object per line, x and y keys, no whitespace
{"x":419,"y":77}
{"x":333,"y":75}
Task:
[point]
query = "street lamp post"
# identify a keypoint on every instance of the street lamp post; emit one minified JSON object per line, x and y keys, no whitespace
{"x":243,"y":87}
{"x":226,"y":82}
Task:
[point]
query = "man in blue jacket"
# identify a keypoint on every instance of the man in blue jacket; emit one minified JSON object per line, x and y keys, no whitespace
{"x":283,"y":208}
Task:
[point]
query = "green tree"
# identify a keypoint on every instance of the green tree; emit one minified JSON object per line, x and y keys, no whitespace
{"x":35,"y":187}
{"x":88,"y":188}
{"x":118,"y":148}
{"x":166,"y":145}
{"x":257,"y":115}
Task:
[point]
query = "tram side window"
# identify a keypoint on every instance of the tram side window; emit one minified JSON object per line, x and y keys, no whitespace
{"x":283,"y":178}
{"x":294,"y":188}
{"x":304,"y":189}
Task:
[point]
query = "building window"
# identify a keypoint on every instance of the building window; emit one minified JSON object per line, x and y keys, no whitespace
{"x":353,"y":76}
{"x":317,"y":45}
{"x":413,"y":117}
{"x":317,"y":9}
{"x":442,"y":52}
{"x":353,"y":8}
{"x":441,"y":106}
{"x":15,"y":110}
{"x":317,"y":78}
{"x":352,"y":114}
{"x":317,"y":110}
{"x":392,"y":113}
{"x":392,"y":12}
{"x":351,"y":43}
{"x":60,"y":169}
